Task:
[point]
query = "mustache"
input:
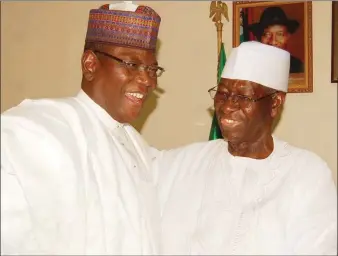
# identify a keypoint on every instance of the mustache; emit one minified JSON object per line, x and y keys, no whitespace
{"x":221,"y":115}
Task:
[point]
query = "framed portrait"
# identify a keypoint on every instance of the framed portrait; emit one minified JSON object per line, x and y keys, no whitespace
{"x":334,"y":53}
{"x":284,"y":24}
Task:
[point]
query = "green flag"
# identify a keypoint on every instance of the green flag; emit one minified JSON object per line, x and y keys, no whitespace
{"x":215,"y":132}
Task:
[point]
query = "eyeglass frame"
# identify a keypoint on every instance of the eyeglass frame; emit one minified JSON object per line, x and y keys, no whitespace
{"x":128,"y":64}
{"x":241,"y":96}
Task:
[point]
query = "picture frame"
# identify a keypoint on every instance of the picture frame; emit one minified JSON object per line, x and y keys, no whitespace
{"x":284,"y":24}
{"x":334,"y":44}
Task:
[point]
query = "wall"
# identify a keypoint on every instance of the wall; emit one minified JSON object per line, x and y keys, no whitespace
{"x":40,"y":57}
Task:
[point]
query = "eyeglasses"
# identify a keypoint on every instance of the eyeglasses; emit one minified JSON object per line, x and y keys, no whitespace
{"x":153,"y":71}
{"x":236,"y":97}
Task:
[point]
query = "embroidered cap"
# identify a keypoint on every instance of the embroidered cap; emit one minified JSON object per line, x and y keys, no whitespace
{"x":124,"y":24}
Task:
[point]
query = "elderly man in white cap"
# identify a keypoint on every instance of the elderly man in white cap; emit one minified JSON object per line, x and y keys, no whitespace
{"x":75,"y":176}
{"x":252,"y":193}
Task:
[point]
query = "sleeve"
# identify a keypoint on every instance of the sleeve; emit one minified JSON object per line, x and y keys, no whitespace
{"x":187,"y":162}
{"x":16,"y":222}
{"x":167,"y":163}
{"x":312,"y":229}
{"x":32,"y":167}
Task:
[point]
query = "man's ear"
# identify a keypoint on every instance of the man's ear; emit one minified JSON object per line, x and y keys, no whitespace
{"x":277,"y":103}
{"x":89,"y":64}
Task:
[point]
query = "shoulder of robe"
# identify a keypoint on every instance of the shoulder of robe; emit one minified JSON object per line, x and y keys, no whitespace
{"x":306,"y":163}
{"x":197,"y":150}
{"x":312,"y":183}
{"x":44,"y":116}
{"x":39,"y":131}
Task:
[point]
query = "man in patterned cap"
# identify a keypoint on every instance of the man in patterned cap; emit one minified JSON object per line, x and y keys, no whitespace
{"x":75,"y":176}
{"x":252,"y":193}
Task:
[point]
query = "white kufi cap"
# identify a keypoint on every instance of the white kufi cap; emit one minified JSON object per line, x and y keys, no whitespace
{"x":260,"y":63}
{"x":124,"y":6}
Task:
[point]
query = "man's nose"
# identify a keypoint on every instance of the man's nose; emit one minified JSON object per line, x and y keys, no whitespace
{"x":274,"y":42}
{"x":228,"y":105}
{"x":145,"y":79}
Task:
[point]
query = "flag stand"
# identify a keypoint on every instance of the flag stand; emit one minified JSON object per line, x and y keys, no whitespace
{"x":217,"y":10}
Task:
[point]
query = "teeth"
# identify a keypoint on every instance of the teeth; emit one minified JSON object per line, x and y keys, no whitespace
{"x":136,"y":95}
{"x":229,"y":121}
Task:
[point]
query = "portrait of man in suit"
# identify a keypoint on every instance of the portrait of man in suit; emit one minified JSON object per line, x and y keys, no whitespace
{"x":276,"y":29}
{"x":283,"y":24}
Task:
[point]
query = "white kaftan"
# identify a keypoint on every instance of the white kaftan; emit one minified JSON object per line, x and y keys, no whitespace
{"x":74,"y":181}
{"x":214,"y":203}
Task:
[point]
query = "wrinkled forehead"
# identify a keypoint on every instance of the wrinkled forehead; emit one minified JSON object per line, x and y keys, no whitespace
{"x":243,"y":86}
{"x":236,"y":84}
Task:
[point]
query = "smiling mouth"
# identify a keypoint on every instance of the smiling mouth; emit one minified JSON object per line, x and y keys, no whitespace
{"x":226,"y":121}
{"x":229,"y":121}
{"x":135,"y":97}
